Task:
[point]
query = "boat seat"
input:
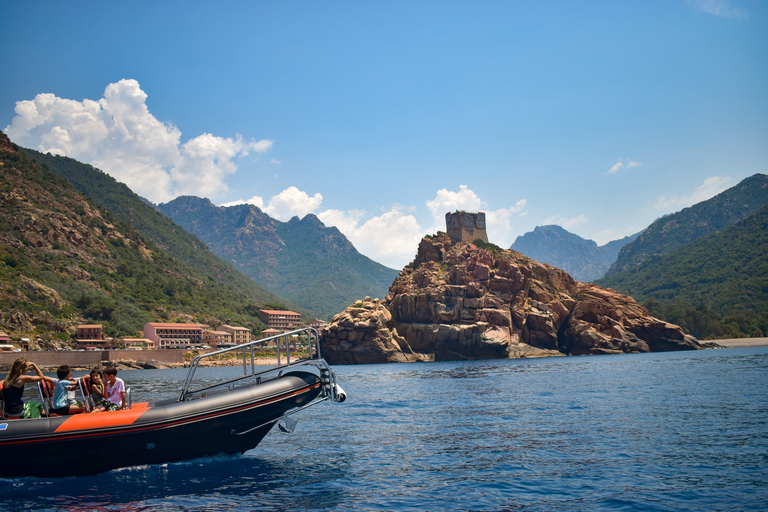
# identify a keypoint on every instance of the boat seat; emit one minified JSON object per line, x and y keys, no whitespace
{"x":84,"y":383}
{"x":45,"y":388}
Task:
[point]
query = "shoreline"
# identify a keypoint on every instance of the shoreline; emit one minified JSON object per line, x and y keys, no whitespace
{"x":272,"y":361}
{"x":143,"y":364}
{"x":740,"y":342}
{"x":153,"y":364}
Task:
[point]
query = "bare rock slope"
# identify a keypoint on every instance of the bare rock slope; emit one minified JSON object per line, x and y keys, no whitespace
{"x":461,"y":301}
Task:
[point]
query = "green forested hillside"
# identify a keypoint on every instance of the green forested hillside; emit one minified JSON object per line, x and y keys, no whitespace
{"x":64,"y":260}
{"x":716,"y":286}
{"x":301,"y":260}
{"x":674,"y":231}
{"x":129,"y":208}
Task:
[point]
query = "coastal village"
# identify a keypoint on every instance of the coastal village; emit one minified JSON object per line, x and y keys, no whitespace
{"x":162,"y":344}
{"x":177,"y":335}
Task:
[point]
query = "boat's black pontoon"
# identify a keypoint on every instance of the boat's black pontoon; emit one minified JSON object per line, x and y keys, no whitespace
{"x":228,"y":416}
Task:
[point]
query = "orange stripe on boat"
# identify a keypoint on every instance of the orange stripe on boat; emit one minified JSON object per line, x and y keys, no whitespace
{"x":103,"y":419}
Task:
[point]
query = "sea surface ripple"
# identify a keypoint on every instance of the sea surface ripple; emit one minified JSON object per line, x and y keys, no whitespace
{"x":682,"y":431}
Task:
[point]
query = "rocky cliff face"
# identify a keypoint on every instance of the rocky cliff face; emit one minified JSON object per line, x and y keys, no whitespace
{"x":460,"y":301}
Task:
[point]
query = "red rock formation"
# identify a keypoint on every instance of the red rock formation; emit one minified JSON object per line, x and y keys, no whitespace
{"x":460,"y":301}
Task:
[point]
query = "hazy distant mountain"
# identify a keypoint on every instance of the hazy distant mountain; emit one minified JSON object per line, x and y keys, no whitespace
{"x":583,"y":259}
{"x":302,"y":260}
{"x":681,"y":228}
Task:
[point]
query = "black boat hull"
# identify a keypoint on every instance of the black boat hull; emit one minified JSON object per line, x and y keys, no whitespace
{"x":227,"y":422}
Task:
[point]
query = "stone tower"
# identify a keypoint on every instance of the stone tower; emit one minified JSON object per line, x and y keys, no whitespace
{"x":464,"y":226}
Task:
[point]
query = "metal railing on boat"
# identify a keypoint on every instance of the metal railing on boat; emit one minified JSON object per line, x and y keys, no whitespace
{"x":303,"y":344}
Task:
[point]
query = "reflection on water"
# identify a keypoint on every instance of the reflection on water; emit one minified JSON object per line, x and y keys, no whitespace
{"x":202,"y":484}
{"x":675,"y":431}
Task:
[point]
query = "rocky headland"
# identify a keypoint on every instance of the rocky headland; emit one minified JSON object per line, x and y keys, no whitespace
{"x":458,"y":301}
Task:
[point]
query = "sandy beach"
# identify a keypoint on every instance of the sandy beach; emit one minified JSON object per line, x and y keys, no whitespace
{"x":742,"y":342}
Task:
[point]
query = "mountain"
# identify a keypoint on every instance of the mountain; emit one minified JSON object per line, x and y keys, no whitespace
{"x":142,"y":216}
{"x":581,"y":258}
{"x":681,"y":228}
{"x":302,"y":259}
{"x":715,"y":286}
{"x":65,"y":260}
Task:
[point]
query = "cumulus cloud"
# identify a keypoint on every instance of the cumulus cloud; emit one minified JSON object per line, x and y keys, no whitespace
{"x":391,"y":238}
{"x":710,"y":188}
{"x":448,"y":201}
{"x":292,"y":202}
{"x":720,"y":8}
{"x":120,"y":136}
{"x":621,"y":164}
{"x":498,"y":222}
{"x":347,"y":222}
{"x":255,"y":201}
{"x":289,"y":203}
{"x":567,"y":223}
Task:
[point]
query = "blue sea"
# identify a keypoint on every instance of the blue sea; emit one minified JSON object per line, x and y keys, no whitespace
{"x":681,"y":431}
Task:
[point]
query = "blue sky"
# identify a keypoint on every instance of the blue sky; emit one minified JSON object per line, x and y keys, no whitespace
{"x":379,"y":117}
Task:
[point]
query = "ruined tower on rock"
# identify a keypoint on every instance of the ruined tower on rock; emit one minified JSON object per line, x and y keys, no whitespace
{"x":464,"y":226}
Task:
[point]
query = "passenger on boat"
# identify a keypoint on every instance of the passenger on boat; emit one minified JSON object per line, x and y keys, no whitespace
{"x":115,"y":387}
{"x":13,"y":386}
{"x":99,"y":392}
{"x":65,"y":385}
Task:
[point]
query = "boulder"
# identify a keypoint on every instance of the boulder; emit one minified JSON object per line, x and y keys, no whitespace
{"x":359,"y":335}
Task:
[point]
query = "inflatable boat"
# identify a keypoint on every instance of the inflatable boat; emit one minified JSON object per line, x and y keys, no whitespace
{"x":226,"y":417}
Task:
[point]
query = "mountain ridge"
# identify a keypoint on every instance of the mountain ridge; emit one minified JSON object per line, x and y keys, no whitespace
{"x":582,"y":258}
{"x":715,"y":286}
{"x":683,"y":227}
{"x":302,"y":259}
{"x":146,"y":218}
{"x":65,"y":259}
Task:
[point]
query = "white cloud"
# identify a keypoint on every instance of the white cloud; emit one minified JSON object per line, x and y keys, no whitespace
{"x":720,"y":8}
{"x":447,"y":201}
{"x":346,"y":222}
{"x":565,"y":223}
{"x":392,"y":238}
{"x":498,"y":222}
{"x":119,"y":135}
{"x":710,"y":188}
{"x":622,"y":165}
{"x":255,"y":201}
{"x":292,"y":202}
